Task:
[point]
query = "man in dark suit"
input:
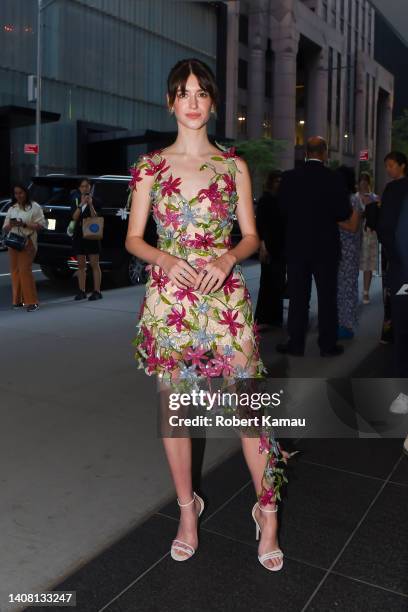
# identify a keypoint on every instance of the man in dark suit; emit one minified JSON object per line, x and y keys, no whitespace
{"x":392,"y":231}
{"x":314,"y":199}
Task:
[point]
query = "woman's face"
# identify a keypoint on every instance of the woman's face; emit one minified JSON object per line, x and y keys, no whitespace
{"x":84,"y":187}
{"x":20,"y":195}
{"x":192,"y":109}
{"x":364,"y":186}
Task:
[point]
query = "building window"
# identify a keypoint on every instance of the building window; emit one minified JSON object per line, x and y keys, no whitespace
{"x":373,"y":108}
{"x":242,"y":121}
{"x":334,"y":13}
{"x":330,"y":86}
{"x":356,"y":24}
{"x":243,"y":29}
{"x":367,"y":104}
{"x":342,"y":15}
{"x":363,"y":27}
{"x":242,"y":74}
{"x":268,"y":70}
{"x":324,"y":9}
{"x":338,"y":88}
{"x":370,"y":30}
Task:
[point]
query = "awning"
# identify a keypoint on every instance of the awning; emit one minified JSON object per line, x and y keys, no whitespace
{"x":20,"y":116}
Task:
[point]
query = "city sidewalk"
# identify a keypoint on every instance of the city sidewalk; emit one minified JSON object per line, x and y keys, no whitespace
{"x":82,"y":467}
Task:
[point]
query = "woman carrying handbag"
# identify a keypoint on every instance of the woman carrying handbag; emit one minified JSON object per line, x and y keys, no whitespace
{"x":83,"y":207}
{"x":23,"y":220}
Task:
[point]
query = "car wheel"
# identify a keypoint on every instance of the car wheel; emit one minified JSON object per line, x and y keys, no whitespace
{"x":57,"y":273}
{"x":136,"y":271}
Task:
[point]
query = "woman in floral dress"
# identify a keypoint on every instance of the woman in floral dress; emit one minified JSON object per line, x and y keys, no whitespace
{"x":196,"y":319}
{"x":348,"y":271}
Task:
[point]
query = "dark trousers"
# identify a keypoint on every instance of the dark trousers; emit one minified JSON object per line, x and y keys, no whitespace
{"x":269,"y":307}
{"x":399,"y":306}
{"x":300,"y":274}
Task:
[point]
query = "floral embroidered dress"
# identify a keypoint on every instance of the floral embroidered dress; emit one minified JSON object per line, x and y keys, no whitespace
{"x":182,"y":334}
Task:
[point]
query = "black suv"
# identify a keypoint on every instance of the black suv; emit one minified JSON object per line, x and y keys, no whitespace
{"x":54,"y":193}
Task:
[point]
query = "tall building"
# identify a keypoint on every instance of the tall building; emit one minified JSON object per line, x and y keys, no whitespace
{"x":304,"y":68}
{"x":104,"y":69}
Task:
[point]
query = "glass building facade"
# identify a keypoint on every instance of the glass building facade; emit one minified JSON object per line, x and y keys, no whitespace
{"x":104,"y":69}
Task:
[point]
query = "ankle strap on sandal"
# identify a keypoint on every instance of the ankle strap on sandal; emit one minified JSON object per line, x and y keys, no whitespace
{"x":188,"y":503}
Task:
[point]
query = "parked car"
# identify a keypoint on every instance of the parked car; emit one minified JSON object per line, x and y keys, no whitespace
{"x":55,"y":193}
{"x":4,"y":206}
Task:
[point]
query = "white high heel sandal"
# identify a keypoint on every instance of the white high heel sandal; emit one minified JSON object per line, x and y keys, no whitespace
{"x":274,"y":554}
{"x":179,"y":545}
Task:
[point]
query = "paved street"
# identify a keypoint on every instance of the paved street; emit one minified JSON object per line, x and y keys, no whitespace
{"x":49,"y":291}
{"x":81,"y":465}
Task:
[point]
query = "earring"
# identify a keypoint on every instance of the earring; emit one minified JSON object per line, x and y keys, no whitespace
{"x":171,"y":110}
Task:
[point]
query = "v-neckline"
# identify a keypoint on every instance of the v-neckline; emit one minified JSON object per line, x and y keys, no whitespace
{"x":160,"y":153}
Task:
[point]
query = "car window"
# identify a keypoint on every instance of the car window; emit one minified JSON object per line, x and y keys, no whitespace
{"x":52,"y":194}
{"x":111,"y":194}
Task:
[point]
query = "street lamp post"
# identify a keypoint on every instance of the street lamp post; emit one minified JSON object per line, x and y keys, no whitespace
{"x":41,"y":5}
{"x":38,"y":96}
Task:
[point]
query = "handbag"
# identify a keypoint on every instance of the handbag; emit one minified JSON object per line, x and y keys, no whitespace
{"x":92,"y":228}
{"x":15,"y":241}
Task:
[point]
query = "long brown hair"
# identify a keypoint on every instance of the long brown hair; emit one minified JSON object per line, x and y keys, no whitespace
{"x":179,"y":74}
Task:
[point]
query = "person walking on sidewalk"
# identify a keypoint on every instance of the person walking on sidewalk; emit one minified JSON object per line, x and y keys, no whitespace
{"x":196,"y":320}
{"x":314,"y":200}
{"x":25,"y":218}
{"x":83,"y":206}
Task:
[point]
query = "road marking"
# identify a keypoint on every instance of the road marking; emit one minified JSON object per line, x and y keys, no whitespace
{"x":9,"y":273}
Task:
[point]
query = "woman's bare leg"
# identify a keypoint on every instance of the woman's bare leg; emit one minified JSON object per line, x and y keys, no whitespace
{"x":81,"y":272}
{"x":179,"y":458}
{"x":96,"y":271}
{"x":268,"y":521}
{"x":368,"y":275}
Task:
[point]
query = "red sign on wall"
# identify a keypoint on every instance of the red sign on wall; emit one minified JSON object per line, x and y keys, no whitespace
{"x":31,"y":149}
{"x":364,"y":155}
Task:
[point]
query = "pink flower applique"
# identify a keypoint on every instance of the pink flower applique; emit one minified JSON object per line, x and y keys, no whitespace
{"x":230,"y":153}
{"x":230,"y":186}
{"x":220,"y":365}
{"x":230,"y":320}
{"x":160,"y":280}
{"x":170,"y":186}
{"x":219,"y":209}
{"x":231,"y":284}
{"x":202,"y":241}
{"x":212,"y":193}
{"x":268,"y":497}
{"x":171,"y":218}
{"x":188,"y":293}
{"x":135,"y":174}
{"x":264,"y":444}
{"x":177,"y":318}
{"x":148,"y":341}
{"x":195,"y":355}
{"x":156,"y":168}
{"x":255,"y":329}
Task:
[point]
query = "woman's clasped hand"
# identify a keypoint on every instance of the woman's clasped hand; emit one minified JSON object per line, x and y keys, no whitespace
{"x":210,"y":278}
